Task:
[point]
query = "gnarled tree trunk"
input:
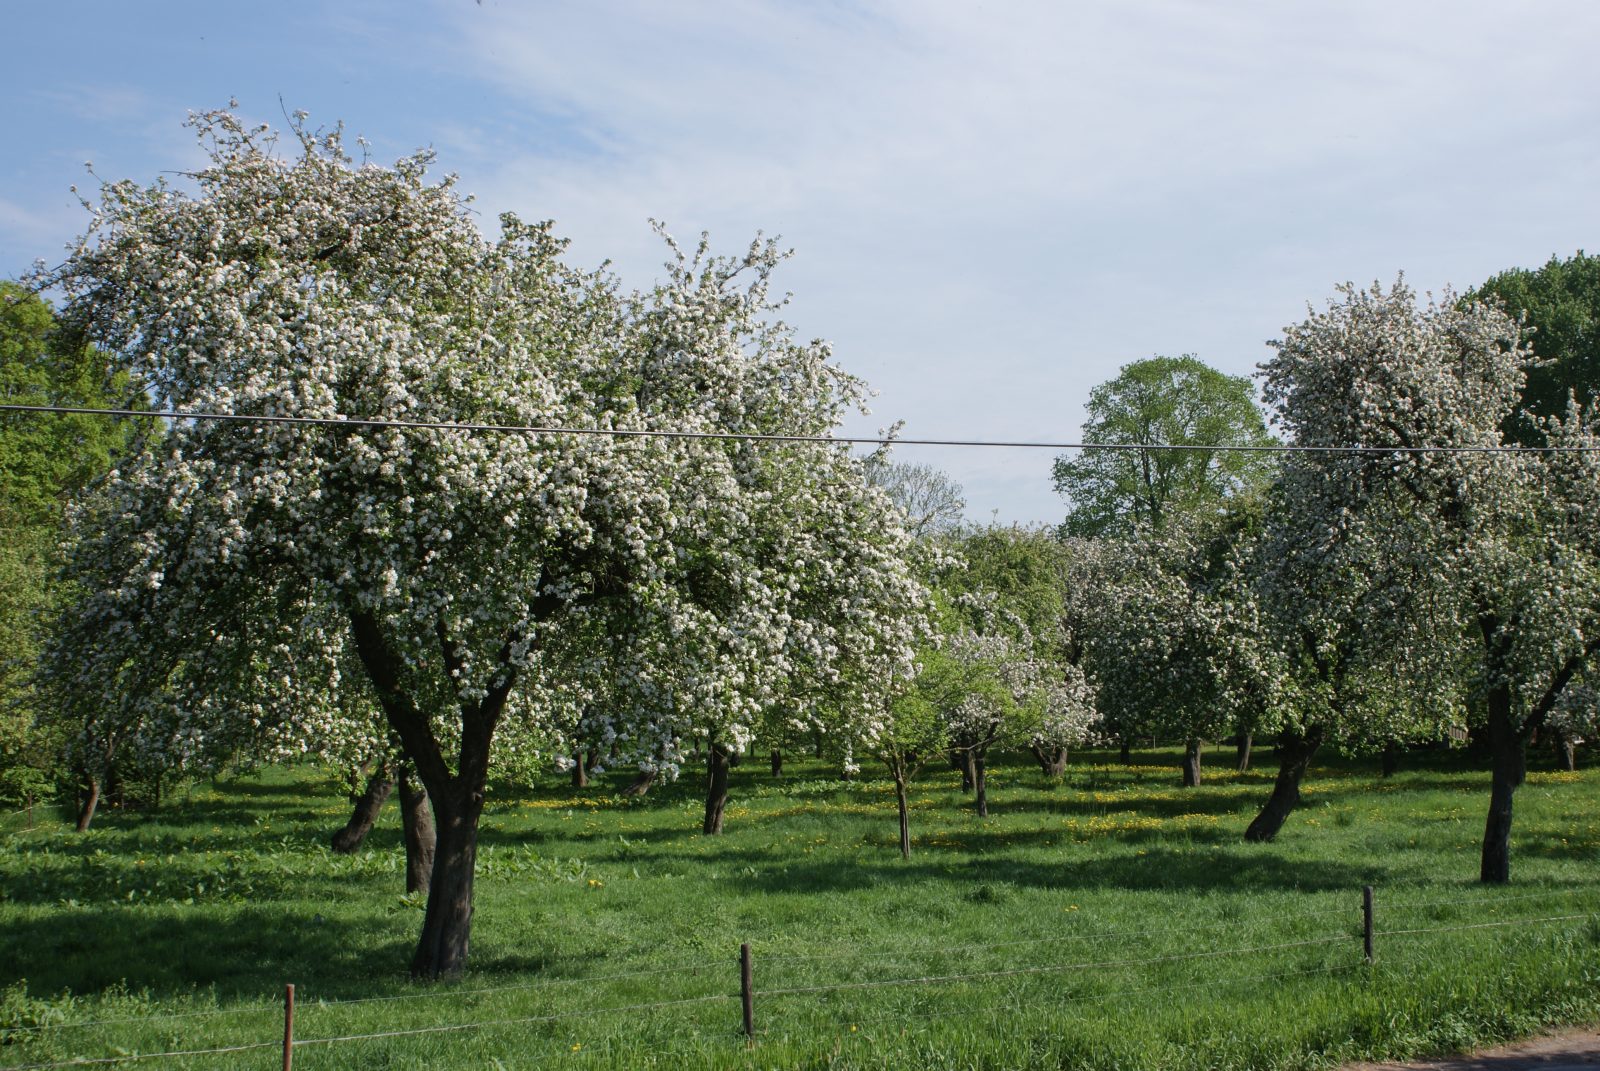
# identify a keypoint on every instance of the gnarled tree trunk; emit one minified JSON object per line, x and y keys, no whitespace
{"x":368,"y":804}
{"x":416,"y":816}
{"x":1390,"y":759}
{"x":1295,"y":750}
{"x":640,"y":784}
{"x":777,"y":762}
{"x":1246,"y":741}
{"x":717,"y":763}
{"x":1052,"y":760}
{"x":580,"y":772}
{"x":1191,"y":761}
{"x":980,"y":781}
{"x":1125,"y":750}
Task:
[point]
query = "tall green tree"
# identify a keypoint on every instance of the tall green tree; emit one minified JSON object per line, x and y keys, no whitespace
{"x":1560,"y":303}
{"x":44,"y":459}
{"x":1174,"y":401}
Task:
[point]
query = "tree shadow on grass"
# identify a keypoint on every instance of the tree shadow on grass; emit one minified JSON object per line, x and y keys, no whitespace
{"x":1219,"y":868}
{"x":242,"y":954}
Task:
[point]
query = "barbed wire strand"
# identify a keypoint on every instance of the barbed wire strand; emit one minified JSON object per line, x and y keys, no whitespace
{"x":1481,"y":925}
{"x":207,"y":1013}
{"x":442,"y":1029}
{"x":312,"y":1004}
{"x":85,"y":1061}
{"x":827,"y":440}
{"x":1085,"y":998}
{"x":520,"y":1021}
{"x":1353,"y":910}
{"x":1488,"y":898}
{"x":541,"y":984}
{"x":1053,"y":968}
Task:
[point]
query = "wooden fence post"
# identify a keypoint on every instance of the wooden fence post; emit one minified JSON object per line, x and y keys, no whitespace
{"x":1366,"y":921}
{"x":747,"y":994}
{"x":288,"y":1026}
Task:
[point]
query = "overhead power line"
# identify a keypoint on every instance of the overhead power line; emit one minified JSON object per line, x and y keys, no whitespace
{"x":742,"y":436}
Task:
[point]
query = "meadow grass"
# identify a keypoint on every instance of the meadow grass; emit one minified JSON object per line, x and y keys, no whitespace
{"x":1112,"y":920}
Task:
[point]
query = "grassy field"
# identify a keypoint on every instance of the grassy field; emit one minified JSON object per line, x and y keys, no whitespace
{"x":1113,"y":920}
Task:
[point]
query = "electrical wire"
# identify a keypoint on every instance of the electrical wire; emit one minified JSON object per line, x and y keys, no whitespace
{"x":828,"y":440}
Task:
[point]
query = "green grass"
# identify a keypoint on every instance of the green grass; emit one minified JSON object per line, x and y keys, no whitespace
{"x":1122,"y":905}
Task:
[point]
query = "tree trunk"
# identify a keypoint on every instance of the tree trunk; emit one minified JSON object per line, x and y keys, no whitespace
{"x":367,"y":805}
{"x":1390,"y":760}
{"x":416,"y":818}
{"x":961,"y":759}
{"x":1125,"y":752}
{"x":1191,"y":762}
{"x":1566,"y":751}
{"x":1053,"y":761}
{"x":447,"y":924}
{"x":1246,"y":742}
{"x":456,"y":795}
{"x":88,"y":800}
{"x":1294,"y":755}
{"x":641,"y":784}
{"x":580,"y":773}
{"x":1508,"y":769}
{"x":818,"y":742}
{"x":777,"y":762}
{"x":980,"y":781}
{"x":905,"y":815}
{"x":716,"y":789}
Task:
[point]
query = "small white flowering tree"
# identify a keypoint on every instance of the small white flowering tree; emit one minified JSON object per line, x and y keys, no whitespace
{"x":1575,"y":721}
{"x":1176,"y":644}
{"x":1067,"y":717}
{"x":1354,"y":644}
{"x":1512,"y":535}
{"x":468,"y":574}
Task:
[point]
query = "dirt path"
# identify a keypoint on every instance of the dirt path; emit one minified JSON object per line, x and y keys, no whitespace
{"x":1563,"y":1050}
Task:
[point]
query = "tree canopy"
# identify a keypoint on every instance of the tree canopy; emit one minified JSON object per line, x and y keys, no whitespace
{"x":1172,"y":401}
{"x":45,"y":457}
{"x":1502,"y":543}
{"x":243,"y":576}
{"x":1560,"y":303}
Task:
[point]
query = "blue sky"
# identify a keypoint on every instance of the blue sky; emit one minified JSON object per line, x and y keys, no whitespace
{"x":993,"y":206}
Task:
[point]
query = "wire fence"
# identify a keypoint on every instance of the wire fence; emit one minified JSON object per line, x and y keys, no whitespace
{"x":809,"y":1007}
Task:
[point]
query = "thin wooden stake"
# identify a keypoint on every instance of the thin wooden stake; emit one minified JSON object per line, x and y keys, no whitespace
{"x":747,"y":992}
{"x":1366,"y":921}
{"x":288,"y":1026}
